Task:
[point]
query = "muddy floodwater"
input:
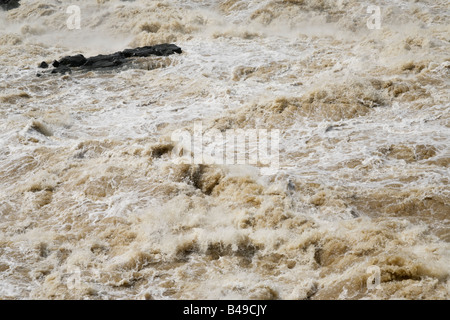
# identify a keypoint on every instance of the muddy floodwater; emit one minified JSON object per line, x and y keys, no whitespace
{"x":94,"y":203}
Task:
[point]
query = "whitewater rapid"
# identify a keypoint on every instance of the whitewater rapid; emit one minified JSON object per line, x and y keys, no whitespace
{"x":93,"y":205}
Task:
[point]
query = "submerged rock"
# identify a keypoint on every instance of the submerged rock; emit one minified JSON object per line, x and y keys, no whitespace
{"x":110,"y":60}
{"x":9,"y":4}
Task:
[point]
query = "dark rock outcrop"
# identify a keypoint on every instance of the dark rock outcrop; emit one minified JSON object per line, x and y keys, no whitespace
{"x":105,"y":61}
{"x":73,"y":61}
{"x":62,"y":69}
{"x":9,"y":4}
{"x":158,"y":50}
{"x":110,"y":60}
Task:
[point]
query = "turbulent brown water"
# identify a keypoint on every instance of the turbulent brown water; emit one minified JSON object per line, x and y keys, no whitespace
{"x":93,"y":207}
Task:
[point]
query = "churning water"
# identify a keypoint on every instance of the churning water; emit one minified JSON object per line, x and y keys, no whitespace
{"x":92,"y":205}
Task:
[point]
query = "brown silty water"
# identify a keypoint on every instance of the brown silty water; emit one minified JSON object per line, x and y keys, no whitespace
{"x":93,"y":205}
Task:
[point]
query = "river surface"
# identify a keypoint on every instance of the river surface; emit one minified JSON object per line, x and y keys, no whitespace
{"x":94,"y":205}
